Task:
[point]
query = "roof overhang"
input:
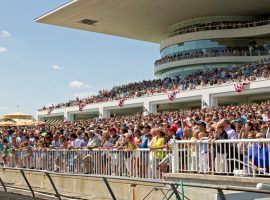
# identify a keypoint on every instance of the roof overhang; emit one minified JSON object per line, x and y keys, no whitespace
{"x":146,"y":20}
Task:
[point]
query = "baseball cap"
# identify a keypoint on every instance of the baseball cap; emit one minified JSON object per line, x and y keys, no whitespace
{"x":112,"y":129}
{"x":172,"y":128}
{"x":201,"y":123}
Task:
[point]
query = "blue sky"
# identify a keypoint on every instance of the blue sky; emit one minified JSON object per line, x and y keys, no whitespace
{"x":42,"y":64}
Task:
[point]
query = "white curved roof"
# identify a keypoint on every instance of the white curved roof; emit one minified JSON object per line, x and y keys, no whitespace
{"x":146,"y":20}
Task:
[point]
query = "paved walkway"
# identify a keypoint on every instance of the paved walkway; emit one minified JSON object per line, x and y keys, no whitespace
{"x":12,"y":196}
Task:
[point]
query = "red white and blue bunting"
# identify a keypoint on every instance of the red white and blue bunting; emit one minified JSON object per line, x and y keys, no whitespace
{"x":81,"y":106}
{"x":171,"y":95}
{"x":121,"y":102}
{"x":239,"y":87}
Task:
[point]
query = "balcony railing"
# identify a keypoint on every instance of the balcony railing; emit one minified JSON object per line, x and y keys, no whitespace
{"x":218,"y":26}
{"x":187,"y":56}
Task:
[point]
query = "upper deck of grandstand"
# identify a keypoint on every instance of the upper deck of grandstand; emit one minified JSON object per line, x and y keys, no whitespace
{"x":192,"y":31}
{"x":148,"y":21}
{"x":213,"y":77}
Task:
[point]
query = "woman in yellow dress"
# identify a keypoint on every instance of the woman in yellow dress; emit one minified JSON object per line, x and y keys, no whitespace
{"x":157,"y":145}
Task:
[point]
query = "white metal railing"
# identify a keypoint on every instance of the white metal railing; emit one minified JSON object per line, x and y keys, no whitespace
{"x":139,"y":163}
{"x":245,"y":157}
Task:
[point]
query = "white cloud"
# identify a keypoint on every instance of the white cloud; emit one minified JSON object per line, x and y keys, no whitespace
{"x":57,"y":67}
{"x":5,"y":34}
{"x":78,"y":85}
{"x":3,"y":49}
{"x":83,"y":95}
{"x":3,"y":108}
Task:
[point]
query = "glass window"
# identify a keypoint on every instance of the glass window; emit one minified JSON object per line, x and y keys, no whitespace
{"x":189,"y":47}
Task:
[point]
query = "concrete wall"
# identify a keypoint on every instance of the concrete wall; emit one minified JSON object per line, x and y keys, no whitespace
{"x":94,"y":188}
{"x":83,"y":187}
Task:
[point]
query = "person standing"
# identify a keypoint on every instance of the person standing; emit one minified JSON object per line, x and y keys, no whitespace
{"x":220,"y":150}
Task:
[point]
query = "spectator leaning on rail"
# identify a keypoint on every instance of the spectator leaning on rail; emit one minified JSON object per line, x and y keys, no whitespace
{"x":220,"y":150}
{"x":258,"y":155}
{"x":94,"y":142}
{"x":145,"y":141}
{"x":203,"y":153}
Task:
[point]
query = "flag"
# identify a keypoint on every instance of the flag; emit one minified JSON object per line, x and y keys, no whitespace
{"x":121,"y":102}
{"x":81,"y":105}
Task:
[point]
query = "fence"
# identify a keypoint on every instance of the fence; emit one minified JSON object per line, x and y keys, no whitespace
{"x":246,"y":157}
{"x":140,"y":163}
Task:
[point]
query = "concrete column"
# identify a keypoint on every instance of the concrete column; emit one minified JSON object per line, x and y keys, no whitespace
{"x":149,"y":107}
{"x":40,"y":118}
{"x":104,"y":112}
{"x":208,"y":101}
{"x":68,"y":116}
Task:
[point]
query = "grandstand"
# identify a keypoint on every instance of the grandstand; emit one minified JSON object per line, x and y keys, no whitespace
{"x":205,"y":119}
{"x":225,"y":35}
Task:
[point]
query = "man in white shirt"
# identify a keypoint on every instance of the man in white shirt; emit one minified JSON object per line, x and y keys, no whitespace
{"x":75,"y":143}
{"x":19,"y":138}
{"x":94,"y":142}
{"x":266,"y":116}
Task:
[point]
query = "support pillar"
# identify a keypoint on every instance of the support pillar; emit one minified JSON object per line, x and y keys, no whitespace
{"x":208,"y":101}
{"x":104,"y":112}
{"x":68,"y":116}
{"x":149,"y":107}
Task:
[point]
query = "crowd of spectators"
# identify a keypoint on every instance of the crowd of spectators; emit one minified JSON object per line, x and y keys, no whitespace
{"x":154,"y":131}
{"x":217,"y":76}
{"x":229,"y":51}
{"x":219,"y":26}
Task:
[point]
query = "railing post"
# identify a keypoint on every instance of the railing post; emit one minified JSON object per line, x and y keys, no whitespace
{"x":27,"y":182}
{"x":53,"y":185}
{"x":175,"y":157}
{"x":3,"y":184}
{"x":175,"y":192}
{"x":109,"y":188}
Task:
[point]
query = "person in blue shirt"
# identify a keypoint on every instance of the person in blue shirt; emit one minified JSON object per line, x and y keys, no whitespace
{"x":259,"y":156}
{"x":5,"y":149}
{"x":56,"y":141}
{"x":146,"y":137}
{"x":145,"y":140}
{"x":179,"y":132}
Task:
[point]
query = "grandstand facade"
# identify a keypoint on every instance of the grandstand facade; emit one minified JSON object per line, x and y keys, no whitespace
{"x":193,"y":36}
